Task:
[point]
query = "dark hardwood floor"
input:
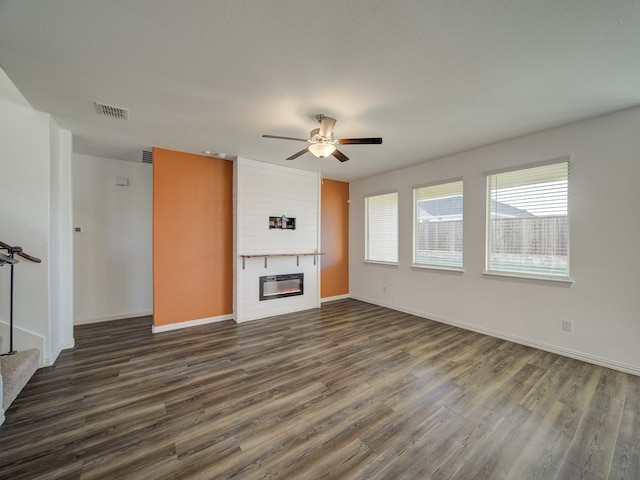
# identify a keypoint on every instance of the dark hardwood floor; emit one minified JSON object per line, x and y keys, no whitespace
{"x":351,"y":391}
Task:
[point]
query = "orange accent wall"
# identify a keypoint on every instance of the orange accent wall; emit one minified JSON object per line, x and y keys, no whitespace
{"x":334,"y":274}
{"x":192,"y":237}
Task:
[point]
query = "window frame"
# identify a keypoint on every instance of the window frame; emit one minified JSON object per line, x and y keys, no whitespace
{"x":367,"y":248}
{"x":436,"y":266}
{"x":526,"y":276}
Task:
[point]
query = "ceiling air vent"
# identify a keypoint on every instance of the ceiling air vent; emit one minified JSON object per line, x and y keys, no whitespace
{"x":111,"y":111}
{"x":147,"y":156}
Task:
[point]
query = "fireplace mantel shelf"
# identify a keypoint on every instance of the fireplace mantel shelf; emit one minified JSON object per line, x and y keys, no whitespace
{"x":271,"y":255}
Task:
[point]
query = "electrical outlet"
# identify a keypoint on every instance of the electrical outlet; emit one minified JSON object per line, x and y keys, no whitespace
{"x":567,"y":325}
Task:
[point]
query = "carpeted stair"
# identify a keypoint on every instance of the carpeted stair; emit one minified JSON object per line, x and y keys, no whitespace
{"x":16,"y":370}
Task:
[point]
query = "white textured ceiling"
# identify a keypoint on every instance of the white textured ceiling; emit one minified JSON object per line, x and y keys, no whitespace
{"x":432,"y":77}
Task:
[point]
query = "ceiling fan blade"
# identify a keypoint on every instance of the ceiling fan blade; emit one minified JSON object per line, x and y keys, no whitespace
{"x":340,"y":156}
{"x":285,"y":138}
{"x":360,"y":141}
{"x":326,"y":126}
{"x":296,"y":155}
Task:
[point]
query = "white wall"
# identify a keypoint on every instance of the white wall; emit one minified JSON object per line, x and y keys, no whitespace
{"x":263,"y":190}
{"x":61,"y":243}
{"x":604,"y":300}
{"x":24,"y":204}
{"x":34,"y":157}
{"x":112,"y":253}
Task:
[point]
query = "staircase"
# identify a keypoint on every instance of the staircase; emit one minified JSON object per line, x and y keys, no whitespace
{"x":15,"y":372}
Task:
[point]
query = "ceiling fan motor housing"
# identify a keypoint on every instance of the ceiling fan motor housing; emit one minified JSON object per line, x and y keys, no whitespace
{"x":326,"y":125}
{"x":316,"y":137}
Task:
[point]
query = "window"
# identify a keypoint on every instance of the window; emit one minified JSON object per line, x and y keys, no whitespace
{"x":528,"y":221}
{"x":438,"y":225}
{"x":382,"y":228}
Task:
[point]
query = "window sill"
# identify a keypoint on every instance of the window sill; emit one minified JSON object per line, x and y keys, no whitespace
{"x":438,"y":268}
{"x":539,"y":279}
{"x":377,"y":262}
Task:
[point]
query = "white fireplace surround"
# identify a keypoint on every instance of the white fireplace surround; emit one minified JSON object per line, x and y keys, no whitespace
{"x":263,"y":190}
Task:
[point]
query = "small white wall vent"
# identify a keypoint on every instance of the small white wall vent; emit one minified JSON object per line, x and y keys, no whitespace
{"x":147,"y":156}
{"x":111,"y":111}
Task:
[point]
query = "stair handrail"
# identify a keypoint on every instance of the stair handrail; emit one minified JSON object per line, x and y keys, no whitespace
{"x":10,"y":259}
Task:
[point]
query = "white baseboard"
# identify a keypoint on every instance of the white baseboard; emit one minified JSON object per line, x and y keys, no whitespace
{"x":584,"y":357}
{"x":50,"y":361}
{"x":334,"y":298}
{"x":108,"y":318}
{"x":190,"y":323}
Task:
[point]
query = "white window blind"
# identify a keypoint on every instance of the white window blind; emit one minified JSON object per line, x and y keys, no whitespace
{"x":438,"y":225}
{"x":382,"y":228}
{"x":528,"y":221}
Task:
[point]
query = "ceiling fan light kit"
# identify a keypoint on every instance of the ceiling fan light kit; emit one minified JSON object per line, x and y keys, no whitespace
{"x":322,"y":142}
{"x":322,"y":150}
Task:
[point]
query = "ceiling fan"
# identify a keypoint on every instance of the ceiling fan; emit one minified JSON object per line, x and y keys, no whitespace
{"x":322,"y":142}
